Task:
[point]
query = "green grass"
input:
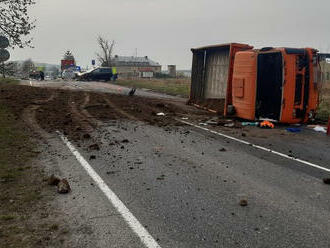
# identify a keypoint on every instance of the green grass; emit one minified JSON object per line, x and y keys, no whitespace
{"x":180,"y":87}
{"x":323,"y":112}
{"x":8,"y":80}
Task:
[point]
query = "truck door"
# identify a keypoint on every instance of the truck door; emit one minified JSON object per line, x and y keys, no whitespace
{"x":269,"y":85}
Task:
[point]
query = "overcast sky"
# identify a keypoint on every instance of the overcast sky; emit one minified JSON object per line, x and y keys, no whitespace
{"x":165,"y":30}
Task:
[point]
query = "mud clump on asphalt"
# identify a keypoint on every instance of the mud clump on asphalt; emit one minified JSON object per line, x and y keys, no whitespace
{"x":63,"y":187}
{"x":326,"y":181}
{"x":53,"y":180}
{"x":94,"y":147}
{"x":243,"y":203}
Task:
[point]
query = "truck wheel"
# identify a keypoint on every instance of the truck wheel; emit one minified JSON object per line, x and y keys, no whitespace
{"x":231,"y":110}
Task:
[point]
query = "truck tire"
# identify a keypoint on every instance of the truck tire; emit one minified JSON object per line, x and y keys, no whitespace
{"x":231,"y":110}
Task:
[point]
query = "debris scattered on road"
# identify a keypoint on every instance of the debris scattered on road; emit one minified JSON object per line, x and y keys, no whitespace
{"x":86,"y":136}
{"x":326,"y":180}
{"x":293,"y":130}
{"x":254,"y":124}
{"x":91,"y":157}
{"x":94,"y":147}
{"x":160,"y":114}
{"x":203,"y":124}
{"x":213,"y":122}
{"x":320,"y":129}
{"x":243,"y":202}
{"x":162,"y":177}
{"x":222,"y":150}
{"x":53,"y":180}
{"x":132,"y":92}
{"x":229,"y":125}
{"x":184,"y":118}
{"x":111,"y":172}
{"x":63,"y":187}
{"x":125,"y":141}
{"x":267,"y":124}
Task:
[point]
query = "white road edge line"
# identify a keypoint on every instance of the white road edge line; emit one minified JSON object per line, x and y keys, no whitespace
{"x":257,"y":146}
{"x":130,"y":219}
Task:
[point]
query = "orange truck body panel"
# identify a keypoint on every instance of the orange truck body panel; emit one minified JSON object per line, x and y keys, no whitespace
{"x":277,"y":83}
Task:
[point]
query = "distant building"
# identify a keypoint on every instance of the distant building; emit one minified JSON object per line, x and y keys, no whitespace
{"x":129,"y":67}
{"x":172,"y":70}
{"x":68,"y":61}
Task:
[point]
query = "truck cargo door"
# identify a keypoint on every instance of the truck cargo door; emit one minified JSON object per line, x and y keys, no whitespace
{"x":269,"y":86}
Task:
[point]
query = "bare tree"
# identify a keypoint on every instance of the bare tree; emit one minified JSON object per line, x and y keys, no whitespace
{"x":15,"y":23}
{"x":106,"y":47}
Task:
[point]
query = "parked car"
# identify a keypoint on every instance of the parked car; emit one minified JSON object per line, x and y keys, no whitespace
{"x":97,"y":74}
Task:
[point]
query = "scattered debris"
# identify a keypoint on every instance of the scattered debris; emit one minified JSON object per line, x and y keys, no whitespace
{"x":184,"y":118}
{"x":293,"y":130}
{"x":125,"y":141}
{"x":326,"y":180}
{"x":162,"y":177}
{"x":91,"y":157}
{"x":160,"y":114}
{"x":229,"y":125}
{"x":254,"y":124}
{"x":160,"y":105}
{"x":53,"y":180}
{"x":213,"y":122}
{"x":267,"y":124}
{"x":63,"y":187}
{"x":86,"y":136}
{"x":132,"y":92}
{"x":320,"y":129}
{"x":222,"y":150}
{"x":243,"y":202}
{"x":203,"y":124}
{"x":94,"y":147}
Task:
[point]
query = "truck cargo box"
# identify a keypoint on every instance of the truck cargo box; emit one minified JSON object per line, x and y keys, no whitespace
{"x":211,"y":81}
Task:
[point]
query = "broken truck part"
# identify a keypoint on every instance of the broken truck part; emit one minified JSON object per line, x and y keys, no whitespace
{"x":281,"y":84}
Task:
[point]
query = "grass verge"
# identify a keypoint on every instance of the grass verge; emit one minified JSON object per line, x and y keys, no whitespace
{"x":180,"y":87}
{"x":8,"y":81}
{"x":323,"y":112}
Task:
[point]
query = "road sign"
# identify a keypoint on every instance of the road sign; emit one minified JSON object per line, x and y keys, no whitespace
{"x":4,"y":55}
{"x":4,"y":42}
{"x":93,"y":62}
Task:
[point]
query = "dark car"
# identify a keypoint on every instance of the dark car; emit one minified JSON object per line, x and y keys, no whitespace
{"x":98,"y":74}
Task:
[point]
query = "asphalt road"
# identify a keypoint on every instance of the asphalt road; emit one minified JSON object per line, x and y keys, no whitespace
{"x":184,"y":186}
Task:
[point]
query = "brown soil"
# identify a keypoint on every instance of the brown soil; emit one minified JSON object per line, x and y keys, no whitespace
{"x":75,"y":113}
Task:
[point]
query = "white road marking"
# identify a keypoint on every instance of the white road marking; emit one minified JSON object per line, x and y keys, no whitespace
{"x":130,"y":219}
{"x":257,"y":146}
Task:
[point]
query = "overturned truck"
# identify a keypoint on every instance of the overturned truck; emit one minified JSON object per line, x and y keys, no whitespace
{"x":281,"y":84}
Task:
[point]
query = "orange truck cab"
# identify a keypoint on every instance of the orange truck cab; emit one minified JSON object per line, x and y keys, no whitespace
{"x":280,"y":84}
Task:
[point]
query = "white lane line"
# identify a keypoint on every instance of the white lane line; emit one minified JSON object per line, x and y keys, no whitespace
{"x":130,"y":219}
{"x":257,"y":146}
